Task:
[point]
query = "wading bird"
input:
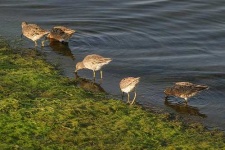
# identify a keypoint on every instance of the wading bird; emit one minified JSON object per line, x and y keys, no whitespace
{"x":128,"y":85}
{"x":33,"y":32}
{"x":61,"y":34}
{"x":184,"y":90}
{"x":93,"y":62}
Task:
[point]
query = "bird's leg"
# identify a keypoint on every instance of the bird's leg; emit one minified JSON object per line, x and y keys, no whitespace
{"x":186,"y":101}
{"x":45,"y":39}
{"x":135,"y":94}
{"x":43,"y":43}
{"x":101,"y":73}
{"x":122,"y":95}
{"x":128,"y":98}
{"x":93,"y":74}
{"x":21,"y":36}
{"x":35,"y":43}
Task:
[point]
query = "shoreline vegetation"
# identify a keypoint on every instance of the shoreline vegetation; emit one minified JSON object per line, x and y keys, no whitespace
{"x":41,"y":109}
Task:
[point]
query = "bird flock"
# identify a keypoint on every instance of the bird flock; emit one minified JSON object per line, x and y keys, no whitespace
{"x":95,"y":63}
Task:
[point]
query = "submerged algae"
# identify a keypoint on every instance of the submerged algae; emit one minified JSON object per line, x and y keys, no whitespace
{"x":39,"y":109}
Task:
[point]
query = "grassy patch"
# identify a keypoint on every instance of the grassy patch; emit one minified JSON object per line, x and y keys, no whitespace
{"x":39,"y":109}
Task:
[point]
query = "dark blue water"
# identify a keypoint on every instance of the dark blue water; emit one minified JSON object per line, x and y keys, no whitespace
{"x":162,"y":41}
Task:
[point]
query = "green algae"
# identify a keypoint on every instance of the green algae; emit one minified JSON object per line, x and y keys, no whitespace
{"x":40,"y":109}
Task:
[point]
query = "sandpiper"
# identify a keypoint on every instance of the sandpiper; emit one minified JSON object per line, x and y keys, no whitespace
{"x":128,"y":85}
{"x":33,"y":32}
{"x":184,"y":90}
{"x":60,"y":33}
{"x":93,"y":62}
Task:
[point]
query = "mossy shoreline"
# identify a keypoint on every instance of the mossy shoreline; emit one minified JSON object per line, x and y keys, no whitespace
{"x":40,"y":109}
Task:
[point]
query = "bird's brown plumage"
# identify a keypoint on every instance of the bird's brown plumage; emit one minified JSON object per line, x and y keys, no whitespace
{"x":93,"y":62}
{"x":33,"y":32}
{"x":184,"y":90}
{"x":61,"y":33}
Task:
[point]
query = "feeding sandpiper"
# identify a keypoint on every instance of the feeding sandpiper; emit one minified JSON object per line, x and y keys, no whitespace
{"x":33,"y":32}
{"x":93,"y":62}
{"x":184,"y":90}
{"x":128,"y":85}
{"x":61,"y":33}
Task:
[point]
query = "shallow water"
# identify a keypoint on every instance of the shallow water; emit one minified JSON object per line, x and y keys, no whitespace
{"x":162,"y":41}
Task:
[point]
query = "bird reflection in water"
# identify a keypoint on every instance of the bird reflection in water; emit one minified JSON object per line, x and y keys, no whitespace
{"x":89,"y":85}
{"x":61,"y":48}
{"x":184,"y":108}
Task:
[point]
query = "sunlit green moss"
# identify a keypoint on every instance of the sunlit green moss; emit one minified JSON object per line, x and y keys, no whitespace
{"x":39,"y":109}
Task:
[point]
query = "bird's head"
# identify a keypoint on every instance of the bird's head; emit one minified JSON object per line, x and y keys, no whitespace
{"x":23,"y":24}
{"x":79,"y":66}
{"x":168,"y":91}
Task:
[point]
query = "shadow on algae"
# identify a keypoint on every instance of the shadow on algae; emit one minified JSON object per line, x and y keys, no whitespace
{"x":40,"y":109}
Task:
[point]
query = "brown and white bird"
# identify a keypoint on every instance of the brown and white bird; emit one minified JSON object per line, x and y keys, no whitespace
{"x":93,"y":62}
{"x":128,"y":85}
{"x":33,"y":32}
{"x":184,"y":90}
{"x":61,"y":33}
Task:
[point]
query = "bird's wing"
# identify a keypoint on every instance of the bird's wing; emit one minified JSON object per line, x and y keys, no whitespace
{"x":184,"y":83}
{"x":128,"y":81}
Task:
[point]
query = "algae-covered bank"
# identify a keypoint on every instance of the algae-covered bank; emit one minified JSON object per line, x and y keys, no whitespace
{"x":40,"y":109}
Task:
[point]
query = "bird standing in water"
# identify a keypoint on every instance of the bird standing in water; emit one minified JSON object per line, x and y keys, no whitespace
{"x":93,"y":62}
{"x":128,"y":85}
{"x":33,"y":32}
{"x":184,"y":90}
{"x":61,"y":34}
